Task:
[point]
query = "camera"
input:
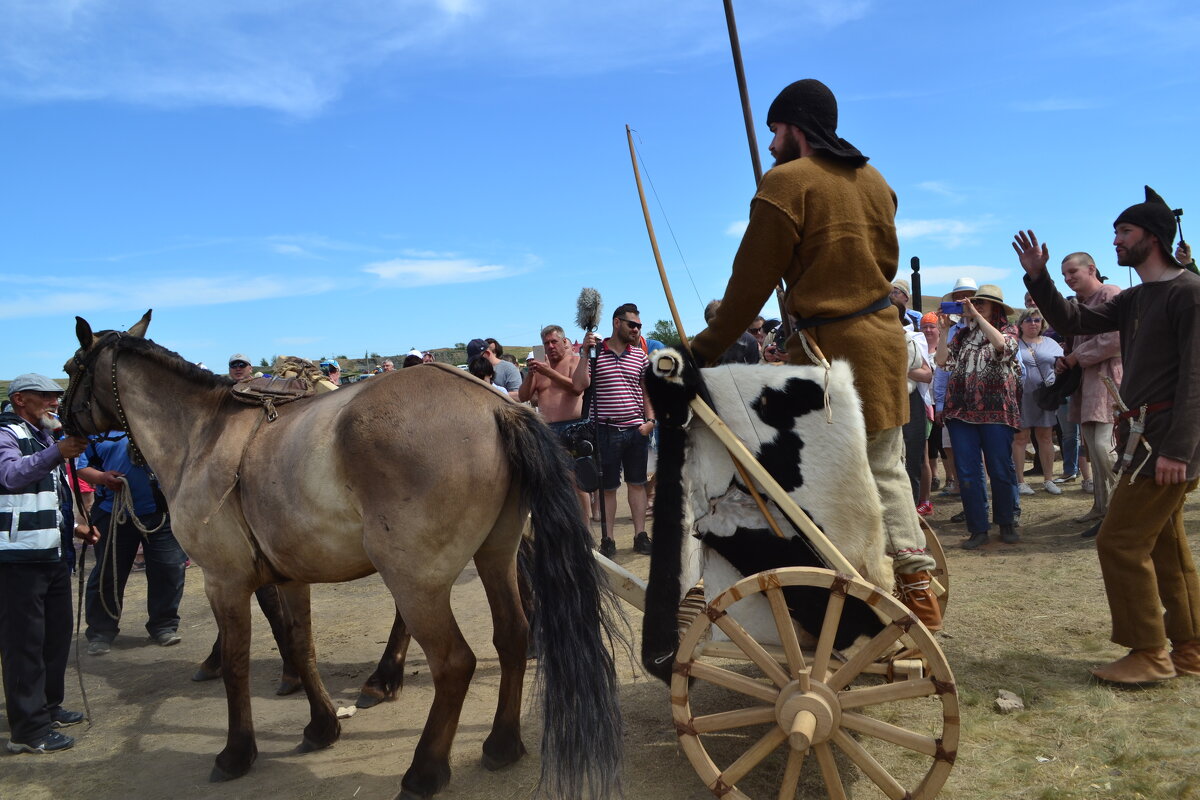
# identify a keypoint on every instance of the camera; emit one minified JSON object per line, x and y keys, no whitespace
{"x":951,"y":307}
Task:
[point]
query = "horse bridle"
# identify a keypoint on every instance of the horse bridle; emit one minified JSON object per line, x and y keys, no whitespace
{"x":77,"y":399}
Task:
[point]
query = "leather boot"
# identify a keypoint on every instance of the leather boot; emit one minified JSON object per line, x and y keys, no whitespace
{"x":1138,"y":666}
{"x":976,"y":541}
{"x":1186,"y":657}
{"x":916,"y":594}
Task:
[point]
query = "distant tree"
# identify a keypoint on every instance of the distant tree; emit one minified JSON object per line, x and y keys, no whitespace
{"x":262,"y":362}
{"x":664,"y":331}
{"x":374,"y":354}
{"x":343,"y":357}
{"x":460,"y":345}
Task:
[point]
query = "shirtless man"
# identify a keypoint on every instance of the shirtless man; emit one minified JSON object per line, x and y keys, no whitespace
{"x":549,"y":386}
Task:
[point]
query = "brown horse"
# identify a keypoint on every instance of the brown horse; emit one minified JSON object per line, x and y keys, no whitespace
{"x":412,"y":474}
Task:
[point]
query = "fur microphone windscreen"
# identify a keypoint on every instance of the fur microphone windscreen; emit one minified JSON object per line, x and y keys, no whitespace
{"x":587,"y":310}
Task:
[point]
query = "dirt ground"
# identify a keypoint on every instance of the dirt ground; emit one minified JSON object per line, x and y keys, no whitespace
{"x":1018,"y":614}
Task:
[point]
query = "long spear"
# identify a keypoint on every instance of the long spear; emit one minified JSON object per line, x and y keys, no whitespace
{"x":747,"y":115}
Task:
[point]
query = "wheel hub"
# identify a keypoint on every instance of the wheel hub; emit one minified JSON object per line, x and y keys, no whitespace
{"x":809,"y":717}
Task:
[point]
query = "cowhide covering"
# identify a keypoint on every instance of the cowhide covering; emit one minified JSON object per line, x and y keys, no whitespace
{"x":779,"y":412}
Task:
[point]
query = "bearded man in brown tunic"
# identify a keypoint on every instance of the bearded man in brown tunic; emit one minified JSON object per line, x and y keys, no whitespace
{"x":823,"y":221}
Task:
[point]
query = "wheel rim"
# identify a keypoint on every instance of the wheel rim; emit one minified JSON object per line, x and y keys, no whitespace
{"x":793,"y":704}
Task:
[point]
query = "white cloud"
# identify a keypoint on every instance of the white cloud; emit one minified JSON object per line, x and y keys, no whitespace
{"x":437,"y":272}
{"x":941,"y":188}
{"x":163,"y":293}
{"x":738,"y":228}
{"x":946,"y":276}
{"x":1056,"y":104}
{"x":947,"y":232}
{"x":296,"y":57}
{"x":291,"y":250}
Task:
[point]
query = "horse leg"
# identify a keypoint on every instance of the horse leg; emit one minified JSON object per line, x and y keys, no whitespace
{"x":323,"y":727}
{"x":232,"y":610}
{"x":426,"y":610}
{"x":498,"y":573}
{"x":388,"y":678}
{"x":276,"y":611}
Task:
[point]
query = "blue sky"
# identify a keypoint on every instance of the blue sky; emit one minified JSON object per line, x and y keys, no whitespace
{"x":315,"y":178}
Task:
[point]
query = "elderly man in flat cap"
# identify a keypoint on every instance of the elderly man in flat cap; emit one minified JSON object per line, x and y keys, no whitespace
{"x":823,"y":221}
{"x":1153,"y":591}
{"x":35,"y":582}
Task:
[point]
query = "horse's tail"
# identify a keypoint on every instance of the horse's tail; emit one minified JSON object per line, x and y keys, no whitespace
{"x":575,"y":625}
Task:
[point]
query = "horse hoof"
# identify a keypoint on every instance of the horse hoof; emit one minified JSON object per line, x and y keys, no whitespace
{"x":206,"y":674}
{"x":494,"y":763}
{"x":219,"y":775}
{"x":288,"y":686}
{"x":308,"y":745}
{"x":369,"y":698}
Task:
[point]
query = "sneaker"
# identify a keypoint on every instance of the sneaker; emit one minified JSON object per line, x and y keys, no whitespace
{"x":52,"y":742}
{"x":959,"y":517}
{"x":934,"y":484}
{"x":1067,"y":478}
{"x":976,"y":541}
{"x":1009,"y":535}
{"x":925,"y":509}
{"x":951,"y":488}
{"x":641,"y":543}
{"x":98,"y":648}
{"x":61,"y":718}
{"x":167,"y":638}
{"x":608,"y":548}
{"x":1051,"y":487}
{"x":1024,"y":488}
{"x":1087,"y":486}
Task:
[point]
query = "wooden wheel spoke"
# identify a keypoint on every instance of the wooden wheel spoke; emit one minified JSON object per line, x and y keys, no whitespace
{"x":734,"y":682}
{"x":833,"y":617}
{"x":791,"y":775}
{"x":754,"y":756}
{"x":911,"y":740}
{"x":865,"y":655}
{"x":787,"y":633}
{"x":889,"y":692}
{"x":739,"y":718}
{"x":829,"y":771}
{"x":753,"y":650}
{"x":870,"y":767}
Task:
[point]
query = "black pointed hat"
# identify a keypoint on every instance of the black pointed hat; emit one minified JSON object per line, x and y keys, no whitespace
{"x":1156,"y":217}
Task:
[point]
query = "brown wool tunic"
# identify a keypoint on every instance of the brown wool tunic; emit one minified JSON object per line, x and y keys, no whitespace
{"x":1160,"y":351}
{"x":828,"y":231}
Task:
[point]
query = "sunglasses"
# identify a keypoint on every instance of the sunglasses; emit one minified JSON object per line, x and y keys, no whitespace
{"x":756,"y":330}
{"x":238,"y":364}
{"x":637,"y":326}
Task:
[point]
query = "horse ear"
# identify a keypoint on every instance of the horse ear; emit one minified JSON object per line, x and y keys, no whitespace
{"x":139,"y":328}
{"x":83,"y":331}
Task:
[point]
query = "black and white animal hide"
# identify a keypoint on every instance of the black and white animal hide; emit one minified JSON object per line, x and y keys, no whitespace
{"x":780,"y":413}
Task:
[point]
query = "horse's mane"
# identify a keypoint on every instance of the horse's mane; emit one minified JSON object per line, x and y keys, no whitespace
{"x":170,"y":359}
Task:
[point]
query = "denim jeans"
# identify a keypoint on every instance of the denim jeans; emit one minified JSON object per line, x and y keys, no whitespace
{"x":1070,"y":440}
{"x":164,"y":577}
{"x":974,"y":446}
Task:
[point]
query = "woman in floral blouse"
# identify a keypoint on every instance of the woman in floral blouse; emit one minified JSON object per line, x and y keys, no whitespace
{"x":983,"y":411}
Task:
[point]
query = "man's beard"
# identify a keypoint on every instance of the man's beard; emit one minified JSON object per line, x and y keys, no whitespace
{"x":630,"y":335}
{"x":789,"y":150}
{"x":50,"y":422}
{"x":1135,"y":254}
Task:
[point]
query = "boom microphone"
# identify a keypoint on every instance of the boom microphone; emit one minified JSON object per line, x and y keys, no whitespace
{"x":587,"y":310}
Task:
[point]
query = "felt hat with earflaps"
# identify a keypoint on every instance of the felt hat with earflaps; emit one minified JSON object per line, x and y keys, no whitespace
{"x":992,"y":292}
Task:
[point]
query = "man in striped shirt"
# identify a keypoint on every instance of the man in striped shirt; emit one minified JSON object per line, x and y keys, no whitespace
{"x":624,"y":419}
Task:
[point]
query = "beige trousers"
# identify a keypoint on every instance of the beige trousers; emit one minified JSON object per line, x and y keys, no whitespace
{"x":1147,"y":566}
{"x":1097,"y":436}
{"x":901,"y":527}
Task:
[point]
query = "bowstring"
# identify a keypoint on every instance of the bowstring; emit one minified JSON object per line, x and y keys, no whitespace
{"x":700,"y":300}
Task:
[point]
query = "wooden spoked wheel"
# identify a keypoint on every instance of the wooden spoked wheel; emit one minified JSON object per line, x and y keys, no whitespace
{"x":941,"y":571}
{"x":767,"y":715}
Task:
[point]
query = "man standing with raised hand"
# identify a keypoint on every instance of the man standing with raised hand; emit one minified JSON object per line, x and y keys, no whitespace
{"x":823,"y":221}
{"x":1143,"y":551}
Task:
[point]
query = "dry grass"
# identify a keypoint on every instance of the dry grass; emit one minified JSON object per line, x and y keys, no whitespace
{"x":1031,"y":618}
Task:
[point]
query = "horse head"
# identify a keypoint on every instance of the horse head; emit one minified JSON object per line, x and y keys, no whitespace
{"x":88,"y":408}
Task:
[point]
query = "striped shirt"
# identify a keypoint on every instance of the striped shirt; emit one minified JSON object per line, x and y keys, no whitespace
{"x":618,"y":386}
